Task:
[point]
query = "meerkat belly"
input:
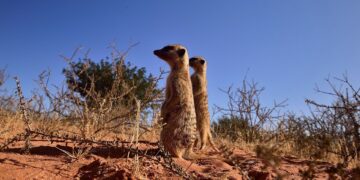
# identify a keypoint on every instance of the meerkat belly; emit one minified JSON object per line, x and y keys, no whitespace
{"x":180,"y":114}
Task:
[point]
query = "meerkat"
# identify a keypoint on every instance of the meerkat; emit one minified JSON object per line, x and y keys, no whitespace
{"x":199,"y":85}
{"x":178,"y":112}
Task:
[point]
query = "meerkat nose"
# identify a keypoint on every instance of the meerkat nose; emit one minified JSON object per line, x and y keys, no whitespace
{"x":156,"y":52}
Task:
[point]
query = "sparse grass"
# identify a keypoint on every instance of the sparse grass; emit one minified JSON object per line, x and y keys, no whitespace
{"x":10,"y":124}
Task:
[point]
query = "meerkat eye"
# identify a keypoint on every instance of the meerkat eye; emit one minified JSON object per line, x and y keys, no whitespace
{"x":202,"y":61}
{"x":181,"y":52}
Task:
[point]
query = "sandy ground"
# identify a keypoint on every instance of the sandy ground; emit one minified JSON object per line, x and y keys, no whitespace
{"x":47,"y":161}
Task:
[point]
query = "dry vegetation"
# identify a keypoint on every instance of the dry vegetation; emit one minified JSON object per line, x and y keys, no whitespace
{"x":114,"y":132}
{"x":329,"y":131}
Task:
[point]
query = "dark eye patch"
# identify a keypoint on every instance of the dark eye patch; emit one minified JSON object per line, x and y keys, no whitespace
{"x":202,"y":61}
{"x":169,"y":48}
{"x":192,"y":59}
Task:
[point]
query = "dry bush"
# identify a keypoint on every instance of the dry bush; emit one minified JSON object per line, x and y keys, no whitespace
{"x":10,"y":123}
{"x":2,"y":77}
{"x":330,"y":130}
{"x":61,"y":109}
{"x":335,"y":128}
{"x":92,"y":113}
{"x":245,"y":118}
{"x":7,"y":102}
{"x":126,"y":111}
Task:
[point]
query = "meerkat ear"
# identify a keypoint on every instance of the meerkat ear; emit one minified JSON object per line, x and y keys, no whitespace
{"x":181,"y":52}
{"x":202,"y":61}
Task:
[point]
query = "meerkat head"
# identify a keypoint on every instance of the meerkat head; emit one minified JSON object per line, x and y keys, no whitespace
{"x":174,"y":55}
{"x":198,"y":63}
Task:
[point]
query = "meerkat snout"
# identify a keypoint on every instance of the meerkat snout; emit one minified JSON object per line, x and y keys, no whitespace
{"x":157,"y":52}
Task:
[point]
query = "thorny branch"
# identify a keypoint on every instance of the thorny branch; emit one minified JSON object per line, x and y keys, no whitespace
{"x":25,"y":117}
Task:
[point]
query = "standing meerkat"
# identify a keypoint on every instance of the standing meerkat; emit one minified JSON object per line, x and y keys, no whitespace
{"x":178,"y":111}
{"x":199,"y":85}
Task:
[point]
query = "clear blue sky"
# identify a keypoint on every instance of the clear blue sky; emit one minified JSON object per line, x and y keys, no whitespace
{"x":288,"y":46}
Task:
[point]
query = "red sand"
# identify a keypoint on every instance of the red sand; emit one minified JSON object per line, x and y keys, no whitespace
{"x":48,"y":162}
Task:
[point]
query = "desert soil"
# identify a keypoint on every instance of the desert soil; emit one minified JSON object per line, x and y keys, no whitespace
{"x":58,"y":161}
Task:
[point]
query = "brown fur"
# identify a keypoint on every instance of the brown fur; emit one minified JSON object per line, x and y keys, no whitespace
{"x":199,"y":84}
{"x":178,"y":112}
